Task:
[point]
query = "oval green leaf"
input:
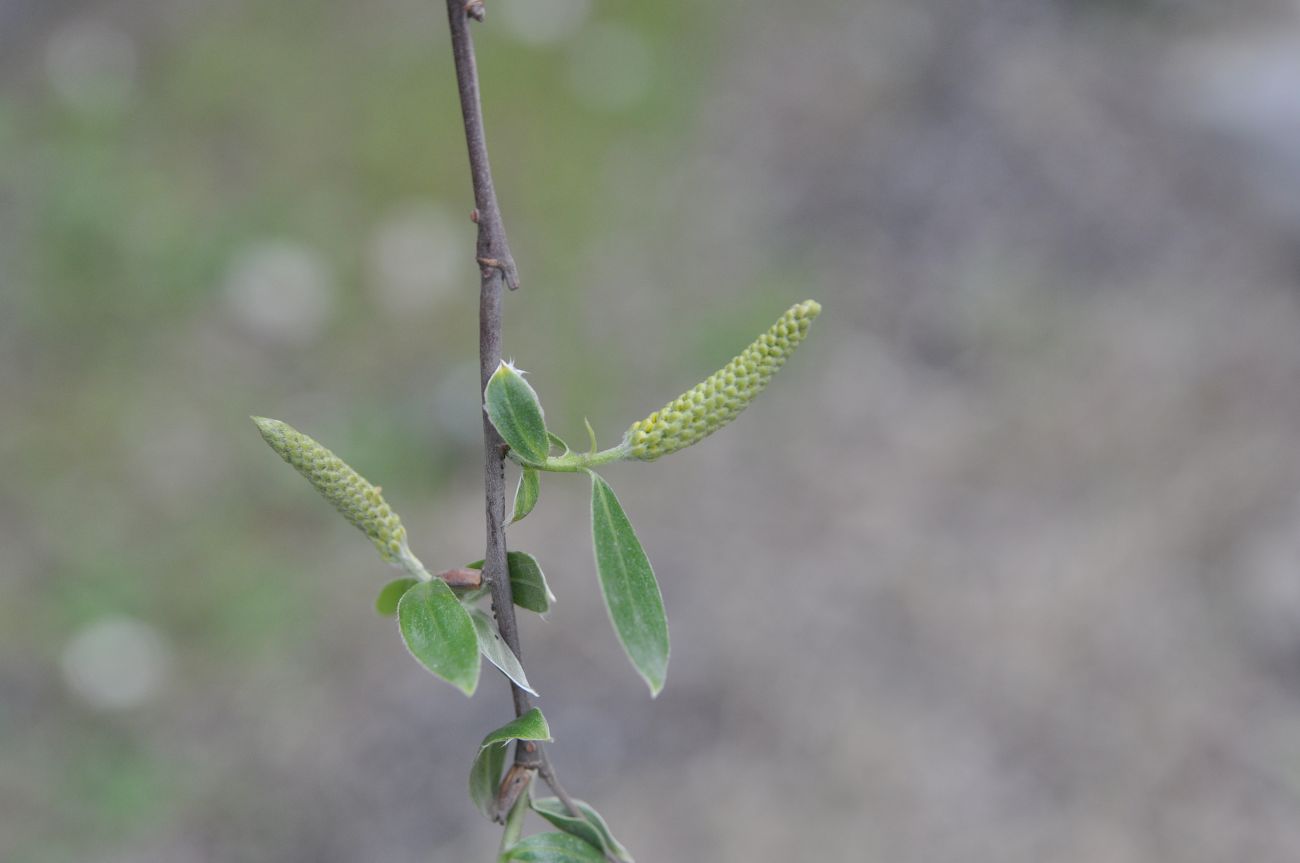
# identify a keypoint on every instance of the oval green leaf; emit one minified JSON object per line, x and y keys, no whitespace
{"x":527,"y":582}
{"x":485,"y":774}
{"x":497,"y":652}
{"x":515,"y":411}
{"x":528,"y":585}
{"x":391,"y":594}
{"x":553,"y":848}
{"x":628,"y":584}
{"x":530,"y":488}
{"x":590,"y":828}
{"x":438,"y":632}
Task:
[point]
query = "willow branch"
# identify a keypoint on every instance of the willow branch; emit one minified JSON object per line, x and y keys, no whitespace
{"x":497,"y":269}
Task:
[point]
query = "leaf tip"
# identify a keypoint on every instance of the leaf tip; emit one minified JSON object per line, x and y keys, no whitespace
{"x":656,"y":680}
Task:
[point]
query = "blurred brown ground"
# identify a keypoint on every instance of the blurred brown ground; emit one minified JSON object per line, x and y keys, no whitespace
{"x":1005,"y":567}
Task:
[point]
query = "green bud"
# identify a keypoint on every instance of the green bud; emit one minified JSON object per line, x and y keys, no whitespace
{"x":699,"y":412}
{"x":359,"y":501}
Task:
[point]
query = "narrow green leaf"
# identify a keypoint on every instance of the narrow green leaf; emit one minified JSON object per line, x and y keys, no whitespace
{"x":591,"y":828}
{"x":556,"y":440}
{"x":386,"y":602}
{"x":492,"y":646}
{"x":591,"y":436}
{"x":439,"y":633}
{"x":530,"y":487}
{"x":485,"y":775}
{"x":514,"y":410}
{"x":527,"y":583}
{"x":628,"y":584}
{"x":553,"y":848}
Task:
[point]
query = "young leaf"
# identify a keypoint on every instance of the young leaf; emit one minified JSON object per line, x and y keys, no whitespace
{"x":629,"y":587}
{"x":530,"y":486}
{"x":492,"y":646}
{"x":485,"y":775}
{"x":514,"y":410}
{"x":591,"y":828}
{"x":386,"y":602}
{"x":553,"y":848}
{"x":531,"y":726}
{"x":438,"y":632}
{"x":556,"y":440}
{"x":527,"y":583}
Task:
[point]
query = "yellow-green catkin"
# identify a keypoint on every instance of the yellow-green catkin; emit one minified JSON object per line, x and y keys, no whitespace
{"x":358,"y":501}
{"x":702,"y":410}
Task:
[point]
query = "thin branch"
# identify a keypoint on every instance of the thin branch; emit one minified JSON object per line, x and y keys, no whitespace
{"x":493,"y":250}
{"x":498,"y":267}
{"x":492,"y":247}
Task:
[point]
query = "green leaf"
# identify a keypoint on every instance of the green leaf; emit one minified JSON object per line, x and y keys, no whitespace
{"x":629,"y":587}
{"x":485,"y":778}
{"x":591,"y":828}
{"x":485,"y":775}
{"x":514,"y":410}
{"x":492,"y":646}
{"x":386,"y":602}
{"x":557,"y":441}
{"x":439,"y":633}
{"x":530,"y":487}
{"x":528,"y":585}
{"x":553,"y":848}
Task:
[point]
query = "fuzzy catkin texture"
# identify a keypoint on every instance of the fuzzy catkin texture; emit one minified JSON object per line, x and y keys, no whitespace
{"x":702,"y":410}
{"x":358,"y":500}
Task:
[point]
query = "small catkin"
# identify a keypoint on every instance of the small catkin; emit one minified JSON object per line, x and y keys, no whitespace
{"x":699,"y":412}
{"x":358,"y":501}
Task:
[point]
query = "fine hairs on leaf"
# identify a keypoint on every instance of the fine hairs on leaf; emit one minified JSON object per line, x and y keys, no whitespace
{"x":452,"y":621}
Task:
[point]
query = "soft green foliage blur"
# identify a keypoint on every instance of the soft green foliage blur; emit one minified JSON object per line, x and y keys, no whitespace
{"x":1002,"y":571}
{"x":130,"y":365}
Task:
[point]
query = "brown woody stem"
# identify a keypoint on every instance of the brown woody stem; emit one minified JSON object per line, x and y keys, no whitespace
{"x":497,"y":268}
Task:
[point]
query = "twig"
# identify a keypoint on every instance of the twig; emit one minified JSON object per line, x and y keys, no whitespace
{"x":493,"y":250}
{"x":497,"y":267}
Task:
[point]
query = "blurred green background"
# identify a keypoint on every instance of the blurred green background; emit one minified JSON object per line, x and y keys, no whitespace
{"x":1005,"y":567}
